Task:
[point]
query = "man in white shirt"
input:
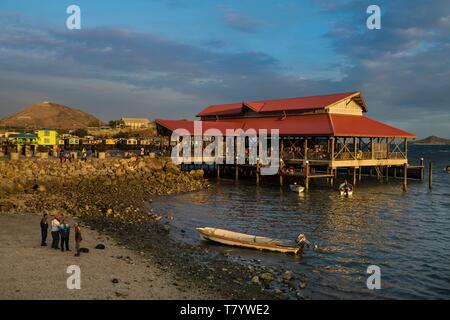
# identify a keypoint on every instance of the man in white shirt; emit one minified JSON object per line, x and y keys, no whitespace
{"x":55,"y":232}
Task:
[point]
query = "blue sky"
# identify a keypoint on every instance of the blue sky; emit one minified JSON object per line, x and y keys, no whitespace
{"x":169,"y":59}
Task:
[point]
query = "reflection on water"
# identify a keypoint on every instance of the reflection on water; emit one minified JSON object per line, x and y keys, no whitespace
{"x":406,"y":234}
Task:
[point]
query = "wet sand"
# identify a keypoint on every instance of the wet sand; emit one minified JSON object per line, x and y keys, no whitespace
{"x":29,"y":271}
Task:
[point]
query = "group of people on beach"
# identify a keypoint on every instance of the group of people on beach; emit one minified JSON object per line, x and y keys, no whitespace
{"x":60,"y":231}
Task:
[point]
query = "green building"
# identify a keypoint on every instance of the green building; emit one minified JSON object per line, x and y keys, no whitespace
{"x":23,"y":139}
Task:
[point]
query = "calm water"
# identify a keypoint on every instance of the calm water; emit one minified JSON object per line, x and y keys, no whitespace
{"x":406,"y":234}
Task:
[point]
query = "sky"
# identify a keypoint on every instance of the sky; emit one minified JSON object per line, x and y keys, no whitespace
{"x":171,"y":58}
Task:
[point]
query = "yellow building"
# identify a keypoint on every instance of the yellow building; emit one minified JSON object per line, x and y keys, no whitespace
{"x":47,"y":137}
{"x":135,"y":123}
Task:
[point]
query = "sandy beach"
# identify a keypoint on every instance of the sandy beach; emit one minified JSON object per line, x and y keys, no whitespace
{"x":29,"y":271}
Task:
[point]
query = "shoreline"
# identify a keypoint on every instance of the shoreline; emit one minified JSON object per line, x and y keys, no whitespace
{"x":128,"y":188}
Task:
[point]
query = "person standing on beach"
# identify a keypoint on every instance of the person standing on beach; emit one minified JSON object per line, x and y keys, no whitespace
{"x":64,"y":231}
{"x":84,"y":155}
{"x":55,"y":232}
{"x":44,"y":230}
{"x":78,"y":239}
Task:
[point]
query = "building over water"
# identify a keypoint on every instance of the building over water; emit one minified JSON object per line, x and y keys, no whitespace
{"x":328,"y":131}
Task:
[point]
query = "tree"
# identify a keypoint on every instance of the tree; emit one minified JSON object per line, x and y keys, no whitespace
{"x":95,"y":123}
{"x":114,"y":123}
{"x":121,"y":135}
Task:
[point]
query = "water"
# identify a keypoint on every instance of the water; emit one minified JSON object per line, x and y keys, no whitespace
{"x":406,"y":234}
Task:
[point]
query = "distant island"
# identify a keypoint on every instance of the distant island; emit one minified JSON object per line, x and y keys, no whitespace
{"x":432,"y":140}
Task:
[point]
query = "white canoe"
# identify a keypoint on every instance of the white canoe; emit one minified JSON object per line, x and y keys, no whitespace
{"x":296,"y":188}
{"x":245,"y":240}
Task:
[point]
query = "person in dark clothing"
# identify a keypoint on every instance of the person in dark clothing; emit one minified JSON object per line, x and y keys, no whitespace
{"x":64,"y":232}
{"x":78,"y":239}
{"x":302,"y":242}
{"x":44,"y":230}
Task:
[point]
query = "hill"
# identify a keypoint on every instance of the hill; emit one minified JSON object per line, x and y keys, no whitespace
{"x":50,"y":115}
{"x":432,"y":140}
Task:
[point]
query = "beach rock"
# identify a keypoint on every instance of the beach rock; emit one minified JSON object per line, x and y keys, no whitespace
{"x":115,"y":281}
{"x":300,"y":296}
{"x":197,"y":174}
{"x":170,"y":167}
{"x":167,"y":228}
{"x":288,"y":275}
{"x":256,"y":280}
{"x":302,"y":284}
{"x":266,"y":276}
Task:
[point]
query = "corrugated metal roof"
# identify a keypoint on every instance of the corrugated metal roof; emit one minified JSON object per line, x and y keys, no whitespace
{"x":302,"y":125}
{"x":188,"y":125}
{"x":300,"y":103}
{"x":361,"y":126}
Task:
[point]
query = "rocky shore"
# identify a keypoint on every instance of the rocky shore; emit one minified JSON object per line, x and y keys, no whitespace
{"x":83,"y":189}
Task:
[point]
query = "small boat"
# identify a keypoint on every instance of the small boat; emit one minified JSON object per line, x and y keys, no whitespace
{"x":296,"y":188}
{"x":245,"y":240}
{"x":346,"y":189}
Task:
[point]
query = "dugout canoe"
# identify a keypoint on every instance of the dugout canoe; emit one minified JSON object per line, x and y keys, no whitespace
{"x":245,"y":240}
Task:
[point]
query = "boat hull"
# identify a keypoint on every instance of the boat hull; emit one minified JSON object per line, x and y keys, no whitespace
{"x":296,"y":188}
{"x":243,"y":240}
{"x":346,"y":193}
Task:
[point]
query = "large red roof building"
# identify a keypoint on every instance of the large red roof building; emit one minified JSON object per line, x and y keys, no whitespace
{"x":329,"y":130}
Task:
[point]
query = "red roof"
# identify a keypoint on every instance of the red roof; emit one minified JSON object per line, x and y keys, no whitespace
{"x":303,"y":125}
{"x":188,"y":125}
{"x":301,"y":103}
{"x":360,"y":126}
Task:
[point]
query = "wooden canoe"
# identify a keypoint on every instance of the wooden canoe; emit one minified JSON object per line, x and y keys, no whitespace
{"x":245,"y":240}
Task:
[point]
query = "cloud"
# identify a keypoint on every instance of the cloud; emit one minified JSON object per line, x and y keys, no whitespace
{"x":402,"y":69}
{"x":241,"y":22}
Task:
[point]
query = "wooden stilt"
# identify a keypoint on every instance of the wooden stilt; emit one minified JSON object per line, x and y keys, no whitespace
{"x":422,"y":169}
{"x":354,"y":176}
{"x":257,"y":173}
{"x":281,"y":161}
{"x":218,"y":170}
{"x":387,"y":174}
{"x":405,"y":177}
{"x":237,"y":171}
{"x":307,"y":176}
{"x":360,"y":174}
{"x":430,"y":176}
